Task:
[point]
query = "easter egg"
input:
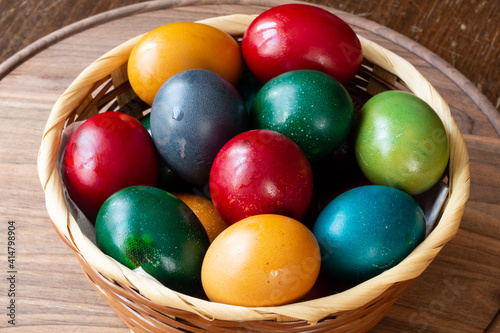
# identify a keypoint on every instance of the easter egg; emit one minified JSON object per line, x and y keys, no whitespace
{"x":206,"y":213}
{"x":301,"y":36}
{"x":167,"y":179}
{"x":309,"y":107}
{"x":263,"y":260}
{"x":367,"y":230}
{"x":260,"y":172}
{"x":401,"y":142}
{"x":175,"y":47}
{"x":106,"y":153}
{"x":194,"y":114}
{"x":147,"y":227}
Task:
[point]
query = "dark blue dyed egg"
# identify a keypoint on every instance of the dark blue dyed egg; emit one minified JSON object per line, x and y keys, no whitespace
{"x":367,"y":230}
{"x":193,"y":115}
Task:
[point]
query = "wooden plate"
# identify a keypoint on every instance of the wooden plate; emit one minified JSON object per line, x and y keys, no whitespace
{"x":458,"y":292}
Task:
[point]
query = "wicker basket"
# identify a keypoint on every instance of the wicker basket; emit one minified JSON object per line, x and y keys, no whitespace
{"x":145,"y":305}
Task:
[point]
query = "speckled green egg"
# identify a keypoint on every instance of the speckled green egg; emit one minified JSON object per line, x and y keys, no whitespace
{"x":147,"y":227}
{"x":401,"y":142}
{"x":309,"y":107}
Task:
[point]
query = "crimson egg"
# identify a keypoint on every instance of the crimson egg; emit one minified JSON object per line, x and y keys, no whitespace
{"x":260,"y":172}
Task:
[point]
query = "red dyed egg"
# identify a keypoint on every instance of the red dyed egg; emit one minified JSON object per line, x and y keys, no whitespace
{"x":108,"y":152}
{"x":261,"y":172}
{"x":301,"y":36}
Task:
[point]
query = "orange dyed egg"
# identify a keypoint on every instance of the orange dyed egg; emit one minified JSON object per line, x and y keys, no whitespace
{"x":180,"y":46}
{"x":206,"y":213}
{"x":262,"y":260}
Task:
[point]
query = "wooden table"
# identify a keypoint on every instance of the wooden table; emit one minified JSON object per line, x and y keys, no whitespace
{"x":459,"y":292}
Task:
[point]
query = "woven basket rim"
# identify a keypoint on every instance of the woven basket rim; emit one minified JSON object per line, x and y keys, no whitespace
{"x":311,"y":311}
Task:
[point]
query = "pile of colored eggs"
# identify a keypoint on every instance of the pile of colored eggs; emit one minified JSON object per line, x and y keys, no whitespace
{"x":235,"y":183}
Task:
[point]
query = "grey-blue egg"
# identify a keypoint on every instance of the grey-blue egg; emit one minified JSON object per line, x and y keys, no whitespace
{"x":193,"y":115}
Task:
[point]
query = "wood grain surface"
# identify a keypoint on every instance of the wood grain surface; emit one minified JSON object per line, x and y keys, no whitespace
{"x":459,"y":292}
{"x":463,"y":33}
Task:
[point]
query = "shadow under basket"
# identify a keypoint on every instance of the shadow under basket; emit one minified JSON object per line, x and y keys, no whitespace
{"x":147,"y":306}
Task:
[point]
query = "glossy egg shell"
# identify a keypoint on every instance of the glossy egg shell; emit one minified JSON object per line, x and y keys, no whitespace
{"x":194,"y":114}
{"x":147,"y":227}
{"x":263,"y":260}
{"x":366,"y":231}
{"x":309,"y":107}
{"x":400,"y":141}
{"x":175,"y":47}
{"x":261,"y":172}
{"x":205,"y":211}
{"x":108,"y":152}
{"x":301,"y":36}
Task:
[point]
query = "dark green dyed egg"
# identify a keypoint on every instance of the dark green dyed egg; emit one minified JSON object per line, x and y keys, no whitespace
{"x":310,"y":107}
{"x":147,"y":227}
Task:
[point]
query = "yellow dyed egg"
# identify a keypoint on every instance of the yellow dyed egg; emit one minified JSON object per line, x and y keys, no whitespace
{"x":206,"y":213}
{"x":176,"y":47}
{"x":262,"y":260}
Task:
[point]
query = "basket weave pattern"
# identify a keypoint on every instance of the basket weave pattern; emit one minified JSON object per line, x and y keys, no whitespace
{"x":145,"y":305}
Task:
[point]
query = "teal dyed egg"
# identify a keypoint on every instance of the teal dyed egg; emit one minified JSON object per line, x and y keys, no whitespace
{"x":401,"y":142}
{"x":366,"y":231}
{"x":309,"y":107}
{"x":147,"y":227}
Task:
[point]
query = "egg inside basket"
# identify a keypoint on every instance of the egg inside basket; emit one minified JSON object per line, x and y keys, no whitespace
{"x":144,"y":304}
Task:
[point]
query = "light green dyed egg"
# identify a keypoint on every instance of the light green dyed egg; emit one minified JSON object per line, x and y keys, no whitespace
{"x":400,"y":141}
